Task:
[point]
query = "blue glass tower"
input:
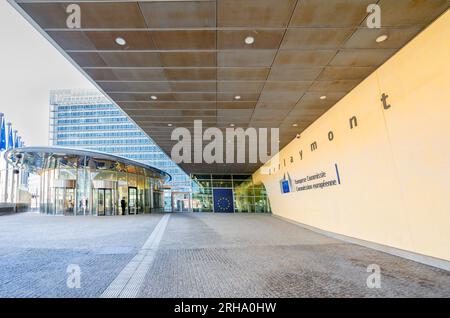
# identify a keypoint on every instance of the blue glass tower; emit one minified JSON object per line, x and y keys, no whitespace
{"x":86,"y":119}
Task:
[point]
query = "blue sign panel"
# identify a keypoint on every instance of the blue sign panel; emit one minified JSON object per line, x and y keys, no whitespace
{"x":285,"y":186}
{"x":223,"y":200}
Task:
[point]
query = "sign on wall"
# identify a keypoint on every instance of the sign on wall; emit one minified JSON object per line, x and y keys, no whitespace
{"x":317,"y":180}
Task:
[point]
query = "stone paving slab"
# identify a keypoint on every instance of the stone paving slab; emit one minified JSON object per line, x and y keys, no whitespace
{"x":199,"y":255}
{"x":219,"y":255}
{"x":35,"y":251}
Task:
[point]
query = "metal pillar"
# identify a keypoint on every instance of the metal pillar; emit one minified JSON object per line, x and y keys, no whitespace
{"x":5,"y":195}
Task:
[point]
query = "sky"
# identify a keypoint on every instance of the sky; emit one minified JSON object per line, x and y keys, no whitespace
{"x":29,"y":68}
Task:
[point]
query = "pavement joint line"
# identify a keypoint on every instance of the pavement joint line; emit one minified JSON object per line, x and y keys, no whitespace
{"x":129,"y":281}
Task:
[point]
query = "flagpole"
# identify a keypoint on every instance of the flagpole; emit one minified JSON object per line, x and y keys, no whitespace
{"x":8,"y":145}
{"x":13,"y":175}
{"x":5,"y":195}
{"x":1,"y":150}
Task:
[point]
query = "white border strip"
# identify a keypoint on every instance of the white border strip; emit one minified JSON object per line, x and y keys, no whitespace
{"x":130,"y":280}
{"x":427,"y":260}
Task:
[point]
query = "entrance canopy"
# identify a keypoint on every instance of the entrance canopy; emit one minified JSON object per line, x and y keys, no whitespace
{"x":36,"y":159}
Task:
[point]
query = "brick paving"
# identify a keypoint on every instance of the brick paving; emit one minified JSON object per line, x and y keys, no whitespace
{"x":35,"y":251}
{"x":246,"y":255}
{"x":199,"y":255}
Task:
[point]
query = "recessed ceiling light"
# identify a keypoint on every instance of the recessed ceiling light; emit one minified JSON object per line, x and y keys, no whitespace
{"x":381,"y":38}
{"x":153,"y":97}
{"x":232,"y":125}
{"x":323,"y":97}
{"x":237,"y":97}
{"x":294,"y":125}
{"x":170,"y":125}
{"x":121,"y":41}
{"x":249,"y":40}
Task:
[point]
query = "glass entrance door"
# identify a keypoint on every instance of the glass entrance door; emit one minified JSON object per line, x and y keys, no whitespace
{"x":59,"y":201}
{"x":132,"y":200}
{"x":64,"y":201}
{"x":181,"y":202}
{"x":69,"y":202}
{"x":103,"y":202}
{"x":108,"y":202}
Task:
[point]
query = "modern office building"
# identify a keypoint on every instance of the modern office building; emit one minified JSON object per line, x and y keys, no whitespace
{"x":359,"y":90}
{"x":81,"y":182}
{"x":85,"y":119}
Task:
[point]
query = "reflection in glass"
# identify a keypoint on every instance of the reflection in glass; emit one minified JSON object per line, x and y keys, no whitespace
{"x":248,"y":197}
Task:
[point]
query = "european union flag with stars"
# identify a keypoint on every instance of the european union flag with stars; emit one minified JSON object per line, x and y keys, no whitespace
{"x":223,"y":200}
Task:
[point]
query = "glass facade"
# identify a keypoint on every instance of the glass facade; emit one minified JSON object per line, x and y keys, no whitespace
{"x":88,"y":183}
{"x":238,"y":192}
{"x":85,"y":119}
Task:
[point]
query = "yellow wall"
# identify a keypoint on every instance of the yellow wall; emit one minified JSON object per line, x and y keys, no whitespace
{"x":394,"y":166}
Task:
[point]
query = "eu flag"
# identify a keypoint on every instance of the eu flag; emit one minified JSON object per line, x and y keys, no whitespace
{"x":10,"y":136}
{"x":223,"y":200}
{"x":16,"y":139}
{"x":2,"y":135}
{"x":285,"y":186}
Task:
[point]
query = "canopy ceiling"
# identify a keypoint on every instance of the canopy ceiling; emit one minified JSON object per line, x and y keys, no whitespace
{"x":192,"y":56}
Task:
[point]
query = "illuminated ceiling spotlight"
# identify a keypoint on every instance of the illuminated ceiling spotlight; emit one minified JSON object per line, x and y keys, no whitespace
{"x":381,"y":38}
{"x":294,"y":125}
{"x":153,"y":97}
{"x":249,"y":40}
{"x":232,"y":125}
{"x":120,"y":41}
{"x":323,"y":97}
{"x":237,"y":97}
{"x":170,"y":125}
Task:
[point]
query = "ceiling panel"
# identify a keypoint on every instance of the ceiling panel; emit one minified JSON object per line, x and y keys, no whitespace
{"x":345,"y":73}
{"x":361,"y":57}
{"x":294,"y":73}
{"x":103,"y":15}
{"x":304,"y":58}
{"x":190,"y":74}
{"x":411,"y":12}
{"x":329,"y":13}
{"x":316,"y":38}
{"x":179,"y":14}
{"x":242,"y":73}
{"x":193,"y":57}
{"x":254,"y":13}
{"x":126,"y":74}
{"x":366,"y":38}
{"x":184,"y":39}
{"x":333,"y":86}
{"x":234,"y":39}
{"x":239,"y":58}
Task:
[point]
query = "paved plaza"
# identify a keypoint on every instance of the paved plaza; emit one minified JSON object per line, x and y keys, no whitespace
{"x":196,"y":255}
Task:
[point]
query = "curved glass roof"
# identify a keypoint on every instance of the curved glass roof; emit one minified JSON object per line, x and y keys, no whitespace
{"x":33,"y":158}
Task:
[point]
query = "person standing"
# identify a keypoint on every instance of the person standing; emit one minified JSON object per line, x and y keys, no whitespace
{"x":123,"y":205}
